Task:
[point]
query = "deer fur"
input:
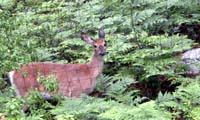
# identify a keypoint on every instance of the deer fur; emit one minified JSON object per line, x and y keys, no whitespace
{"x":73,"y":79}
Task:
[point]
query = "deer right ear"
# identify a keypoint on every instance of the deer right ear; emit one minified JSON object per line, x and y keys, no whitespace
{"x":87,"y":38}
{"x":101,"y":33}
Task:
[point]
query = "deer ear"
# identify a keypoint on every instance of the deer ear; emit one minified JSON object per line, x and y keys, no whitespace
{"x":87,"y":38}
{"x":101,"y":33}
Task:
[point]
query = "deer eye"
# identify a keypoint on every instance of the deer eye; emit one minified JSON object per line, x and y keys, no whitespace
{"x":105,"y":43}
{"x":95,"y":46}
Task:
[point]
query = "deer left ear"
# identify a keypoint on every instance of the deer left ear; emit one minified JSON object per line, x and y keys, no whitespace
{"x":87,"y":38}
{"x":101,"y":33}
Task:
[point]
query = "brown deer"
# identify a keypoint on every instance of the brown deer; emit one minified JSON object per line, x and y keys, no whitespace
{"x":73,"y":79}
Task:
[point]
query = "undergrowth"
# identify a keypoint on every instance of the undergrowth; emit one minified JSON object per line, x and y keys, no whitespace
{"x":143,"y":73}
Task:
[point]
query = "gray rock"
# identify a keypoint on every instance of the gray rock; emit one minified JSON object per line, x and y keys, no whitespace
{"x":192,"y":59}
{"x":192,"y":54}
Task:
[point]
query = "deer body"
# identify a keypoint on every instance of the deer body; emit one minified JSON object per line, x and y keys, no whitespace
{"x":73,"y":79}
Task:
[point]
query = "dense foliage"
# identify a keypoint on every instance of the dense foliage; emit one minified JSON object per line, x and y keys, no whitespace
{"x":143,"y":73}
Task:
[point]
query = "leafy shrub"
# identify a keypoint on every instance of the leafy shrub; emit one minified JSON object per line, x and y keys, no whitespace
{"x":98,"y":109}
{"x":142,"y":44}
{"x":50,"y":82}
{"x":184,"y":100}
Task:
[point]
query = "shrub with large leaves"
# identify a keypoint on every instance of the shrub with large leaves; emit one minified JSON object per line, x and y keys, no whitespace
{"x":141,"y":45}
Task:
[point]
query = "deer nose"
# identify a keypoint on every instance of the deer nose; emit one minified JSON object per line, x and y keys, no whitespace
{"x":102,"y":54}
{"x":102,"y":51}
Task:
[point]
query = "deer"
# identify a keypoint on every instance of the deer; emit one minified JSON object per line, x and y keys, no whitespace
{"x":73,"y":79}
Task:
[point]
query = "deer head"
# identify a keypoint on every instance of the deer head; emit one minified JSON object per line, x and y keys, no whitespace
{"x":98,"y":44}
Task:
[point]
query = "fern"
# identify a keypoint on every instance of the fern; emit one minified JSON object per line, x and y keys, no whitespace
{"x":183,"y":100}
{"x":91,"y":108}
{"x":141,"y":45}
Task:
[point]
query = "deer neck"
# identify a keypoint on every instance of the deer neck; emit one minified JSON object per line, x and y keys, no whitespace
{"x":97,"y":64}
